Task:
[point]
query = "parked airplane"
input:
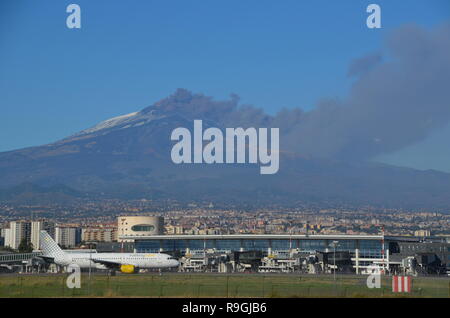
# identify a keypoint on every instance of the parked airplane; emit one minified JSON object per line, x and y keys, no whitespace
{"x":125,"y":262}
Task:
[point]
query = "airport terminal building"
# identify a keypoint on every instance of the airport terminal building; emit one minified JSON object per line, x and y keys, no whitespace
{"x":300,"y":253}
{"x":277,"y":253}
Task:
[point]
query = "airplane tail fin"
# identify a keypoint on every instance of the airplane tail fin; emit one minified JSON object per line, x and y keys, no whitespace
{"x":48,"y":246}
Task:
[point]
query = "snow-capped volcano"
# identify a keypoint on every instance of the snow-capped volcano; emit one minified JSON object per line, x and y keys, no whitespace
{"x":129,"y":157}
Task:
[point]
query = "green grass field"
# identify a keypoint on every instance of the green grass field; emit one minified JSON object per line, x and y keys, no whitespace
{"x":213,"y":285}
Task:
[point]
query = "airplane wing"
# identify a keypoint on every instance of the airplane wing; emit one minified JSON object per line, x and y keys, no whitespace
{"x":108,"y":264}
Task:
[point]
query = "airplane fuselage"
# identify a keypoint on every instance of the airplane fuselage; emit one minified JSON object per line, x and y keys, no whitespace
{"x":138,"y":260}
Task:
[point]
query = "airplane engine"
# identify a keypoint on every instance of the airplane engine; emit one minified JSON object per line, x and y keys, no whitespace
{"x":129,"y":269}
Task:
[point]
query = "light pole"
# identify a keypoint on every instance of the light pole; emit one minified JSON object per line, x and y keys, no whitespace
{"x":334,"y":243}
{"x":90,"y":264}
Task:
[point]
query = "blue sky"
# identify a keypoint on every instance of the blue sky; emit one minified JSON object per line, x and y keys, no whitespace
{"x":55,"y":81}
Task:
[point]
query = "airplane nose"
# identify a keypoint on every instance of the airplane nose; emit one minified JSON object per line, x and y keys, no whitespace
{"x":175,"y":263}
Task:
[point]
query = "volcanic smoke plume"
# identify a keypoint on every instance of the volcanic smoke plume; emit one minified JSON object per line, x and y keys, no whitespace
{"x":398,"y":98}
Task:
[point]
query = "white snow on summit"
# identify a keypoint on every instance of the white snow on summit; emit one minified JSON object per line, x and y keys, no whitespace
{"x":109,"y":123}
{"x":135,"y":119}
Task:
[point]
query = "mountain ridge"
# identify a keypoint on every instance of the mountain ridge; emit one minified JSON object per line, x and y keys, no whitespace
{"x":128,"y":157}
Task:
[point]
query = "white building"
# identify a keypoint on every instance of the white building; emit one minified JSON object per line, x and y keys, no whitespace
{"x":6,"y":236}
{"x":36,"y":227}
{"x":18,"y":230}
{"x":66,"y":236}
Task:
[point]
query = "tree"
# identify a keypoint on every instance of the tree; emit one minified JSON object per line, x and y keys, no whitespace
{"x":25,"y":246}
